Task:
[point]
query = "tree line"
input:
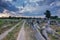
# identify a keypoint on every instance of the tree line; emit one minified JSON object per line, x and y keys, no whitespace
{"x":48,"y":15}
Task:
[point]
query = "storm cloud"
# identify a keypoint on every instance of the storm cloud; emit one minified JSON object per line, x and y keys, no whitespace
{"x":7,"y":5}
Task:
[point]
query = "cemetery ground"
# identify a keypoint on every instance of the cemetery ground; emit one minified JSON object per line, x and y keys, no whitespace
{"x":20,"y":28}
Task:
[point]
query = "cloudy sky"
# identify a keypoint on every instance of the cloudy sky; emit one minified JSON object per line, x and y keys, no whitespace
{"x":30,"y":7}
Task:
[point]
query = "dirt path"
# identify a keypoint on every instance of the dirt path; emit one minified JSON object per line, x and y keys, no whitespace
{"x":6,"y":32}
{"x":21,"y":35}
{"x":30,"y":35}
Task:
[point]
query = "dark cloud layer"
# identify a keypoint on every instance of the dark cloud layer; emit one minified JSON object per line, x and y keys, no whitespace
{"x":7,"y":5}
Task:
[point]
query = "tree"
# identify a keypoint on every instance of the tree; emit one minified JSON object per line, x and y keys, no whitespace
{"x":54,"y":17}
{"x":9,"y":16}
{"x":47,"y":14}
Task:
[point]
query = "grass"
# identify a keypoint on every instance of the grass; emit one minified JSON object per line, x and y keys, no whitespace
{"x":56,"y":28}
{"x":1,"y":22}
{"x":26,"y":25}
{"x":5,"y":22}
{"x":13,"y":34}
{"x":58,"y":19}
{"x":6,"y":28}
{"x":58,"y":32}
{"x":52,"y":37}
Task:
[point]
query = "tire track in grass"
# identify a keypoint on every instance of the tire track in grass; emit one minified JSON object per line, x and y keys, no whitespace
{"x":6,"y":27}
{"x":3,"y":35}
{"x":14,"y":33}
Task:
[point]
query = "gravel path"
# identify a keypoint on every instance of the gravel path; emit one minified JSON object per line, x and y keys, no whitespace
{"x":21,"y":35}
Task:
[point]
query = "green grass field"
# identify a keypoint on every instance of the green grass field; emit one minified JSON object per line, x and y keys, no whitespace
{"x":14,"y":33}
{"x":6,"y":24}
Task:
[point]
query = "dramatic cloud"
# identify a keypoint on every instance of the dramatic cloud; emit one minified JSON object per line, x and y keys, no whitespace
{"x":31,"y":7}
{"x":7,"y":5}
